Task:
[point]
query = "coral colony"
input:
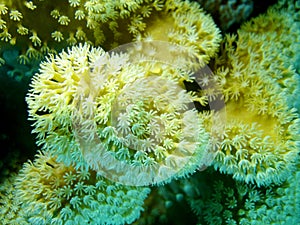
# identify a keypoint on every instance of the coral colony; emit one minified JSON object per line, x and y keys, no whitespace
{"x":150,"y":112}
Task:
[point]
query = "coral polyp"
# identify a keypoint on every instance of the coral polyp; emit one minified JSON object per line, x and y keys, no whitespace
{"x":102,"y":22}
{"x":261,"y":142}
{"x":131,"y":121}
{"x":122,"y":101}
{"x":48,"y":192}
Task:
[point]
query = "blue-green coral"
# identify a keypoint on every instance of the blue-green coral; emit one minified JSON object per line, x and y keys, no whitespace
{"x":228,"y":13}
{"x":261,"y":140}
{"x":48,"y":192}
{"x":226,"y":201}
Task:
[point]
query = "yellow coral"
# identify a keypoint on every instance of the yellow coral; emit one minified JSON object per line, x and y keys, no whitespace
{"x":261,"y":139}
{"x":9,"y":205}
{"x":36,"y":25}
{"x":116,"y":113}
{"x":180,"y":22}
{"x":48,"y":192}
{"x":105,"y":23}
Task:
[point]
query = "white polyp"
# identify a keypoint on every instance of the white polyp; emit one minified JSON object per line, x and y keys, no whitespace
{"x":148,"y":111}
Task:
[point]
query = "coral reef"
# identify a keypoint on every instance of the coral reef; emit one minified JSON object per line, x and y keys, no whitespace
{"x":85,"y":102}
{"x":19,"y":72}
{"x":262,"y":136}
{"x":105,"y":118}
{"x":168,"y":204}
{"x":48,"y":192}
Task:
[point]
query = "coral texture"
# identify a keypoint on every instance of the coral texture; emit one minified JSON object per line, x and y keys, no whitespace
{"x":102,"y":22}
{"x":227,"y":201}
{"x":52,"y":27}
{"x":103,"y":118}
{"x":183,"y":23}
{"x":85,"y":102}
{"x":48,"y":192}
{"x":261,"y":141}
{"x":9,"y":205}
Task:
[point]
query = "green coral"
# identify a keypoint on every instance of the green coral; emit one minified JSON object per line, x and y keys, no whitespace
{"x":48,"y":192}
{"x":281,"y":27}
{"x":227,"y":201}
{"x":261,"y":140}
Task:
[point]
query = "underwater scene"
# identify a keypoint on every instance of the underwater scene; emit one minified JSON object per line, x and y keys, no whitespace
{"x":150,"y":112}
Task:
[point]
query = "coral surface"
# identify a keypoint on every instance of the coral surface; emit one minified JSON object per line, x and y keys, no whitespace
{"x":48,"y":192}
{"x":85,"y":102}
{"x":58,"y":24}
{"x":261,"y":143}
{"x":127,"y":132}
